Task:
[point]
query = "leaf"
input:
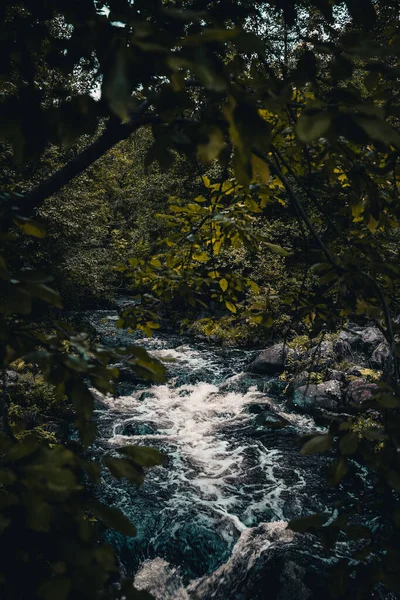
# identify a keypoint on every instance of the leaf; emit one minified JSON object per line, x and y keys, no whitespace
{"x":56,"y":587}
{"x":30,"y":227}
{"x":311,"y":127}
{"x":349,"y":443}
{"x":212,"y":149}
{"x":113,"y":518}
{"x":261,"y":170}
{"x":201,"y":257}
{"x":318,"y":443}
{"x":277,"y":249}
{"x":387,"y":400}
{"x":156,"y":263}
{"x":379,"y":131}
{"x":46,"y":294}
{"x":143,"y":455}
{"x":14,"y":300}
{"x":304,"y":524}
{"x":223,"y":284}
{"x":393,"y":479}
{"x":230,"y":306}
{"x":122,"y":468}
{"x":337,"y":471}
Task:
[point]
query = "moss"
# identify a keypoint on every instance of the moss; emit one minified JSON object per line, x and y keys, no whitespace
{"x":361,"y":424}
{"x":300,"y":343}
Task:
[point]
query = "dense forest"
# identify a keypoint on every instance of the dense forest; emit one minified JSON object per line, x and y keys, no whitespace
{"x":226,"y":174}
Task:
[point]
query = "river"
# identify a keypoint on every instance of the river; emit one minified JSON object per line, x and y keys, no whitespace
{"x":232,"y":467}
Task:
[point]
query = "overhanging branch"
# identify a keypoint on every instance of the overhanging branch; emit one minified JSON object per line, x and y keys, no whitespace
{"x":113,"y":134}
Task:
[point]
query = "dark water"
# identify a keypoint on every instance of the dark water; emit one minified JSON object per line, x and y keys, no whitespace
{"x":229,"y":470}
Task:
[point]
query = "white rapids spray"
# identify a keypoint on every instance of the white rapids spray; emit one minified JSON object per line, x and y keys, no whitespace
{"x":213,"y":518}
{"x":198,"y":425}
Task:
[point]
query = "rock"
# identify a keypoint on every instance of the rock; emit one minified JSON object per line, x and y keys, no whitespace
{"x":380,"y":356}
{"x":268,"y":419}
{"x":131,"y":428}
{"x":300,"y":380}
{"x":271,"y":361}
{"x":322,"y":355}
{"x":161,"y":580}
{"x":354,"y":371}
{"x":266,"y":563}
{"x":335,"y":375}
{"x":345,"y":344}
{"x":371,"y":337}
{"x":326,"y":395}
{"x":12,"y":377}
{"x":359,"y":391}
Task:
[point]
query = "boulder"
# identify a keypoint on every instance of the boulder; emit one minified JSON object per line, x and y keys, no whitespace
{"x":354,"y":371}
{"x":380,"y":356}
{"x":322,"y":355}
{"x":12,"y":377}
{"x":271,"y":361}
{"x":269,"y":562}
{"x":371,"y":337}
{"x":346,"y":343}
{"x":360,"y":390}
{"x":327,"y":395}
{"x":301,"y":379}
{"x":335,"y":375}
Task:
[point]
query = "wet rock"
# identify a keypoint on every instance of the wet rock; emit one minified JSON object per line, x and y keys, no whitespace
{"x":269,"y":419}
{"x":322,"y":355}
{"x":161,"y":580}
{"x":380,"y":356}
{"x":359,"y":391}
{"x":271,"y":361}
{"x":301,"y":379}
{"x":266,"y":563}
{"x":240,"y":383}
{"x":327,"y":395}
{"x":131,"y":428}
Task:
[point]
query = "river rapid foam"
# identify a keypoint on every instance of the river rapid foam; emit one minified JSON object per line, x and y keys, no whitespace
{"x":233,"y":475}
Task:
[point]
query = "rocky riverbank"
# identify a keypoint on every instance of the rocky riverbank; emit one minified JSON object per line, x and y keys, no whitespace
{"x":340,"y":373}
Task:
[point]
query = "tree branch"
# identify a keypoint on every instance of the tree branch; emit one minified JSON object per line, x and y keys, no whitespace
{"x":113,"y":134}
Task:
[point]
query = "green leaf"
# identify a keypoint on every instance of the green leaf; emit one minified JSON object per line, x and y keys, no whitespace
{"x":156,"y":263}
{"x":15,"y":300}
{"x":223,"y":284}
{"x":56,"y":587}
{"x":30,"y":227}
{"x":143,"y":455}
{"x":122,"y":468}
{"x":337,"y":471}
{"x":113,"y":518}
{"x":46,"y":294}
{"x":230,"y":306}
{"x":277,"y":249}
{"x":261,"y":170}
{"x":349,"y":443}
{"x":311,"y":127}
{"x":319,"y":443}
{"x":387,"y":400}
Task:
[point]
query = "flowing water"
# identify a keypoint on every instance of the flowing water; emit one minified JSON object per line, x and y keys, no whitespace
{"x":233,"y":466}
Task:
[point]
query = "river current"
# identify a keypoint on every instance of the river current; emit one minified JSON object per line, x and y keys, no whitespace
{"x":232,"y":467}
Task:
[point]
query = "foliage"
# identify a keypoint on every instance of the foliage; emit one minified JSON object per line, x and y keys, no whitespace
{"x":300,"y":107}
